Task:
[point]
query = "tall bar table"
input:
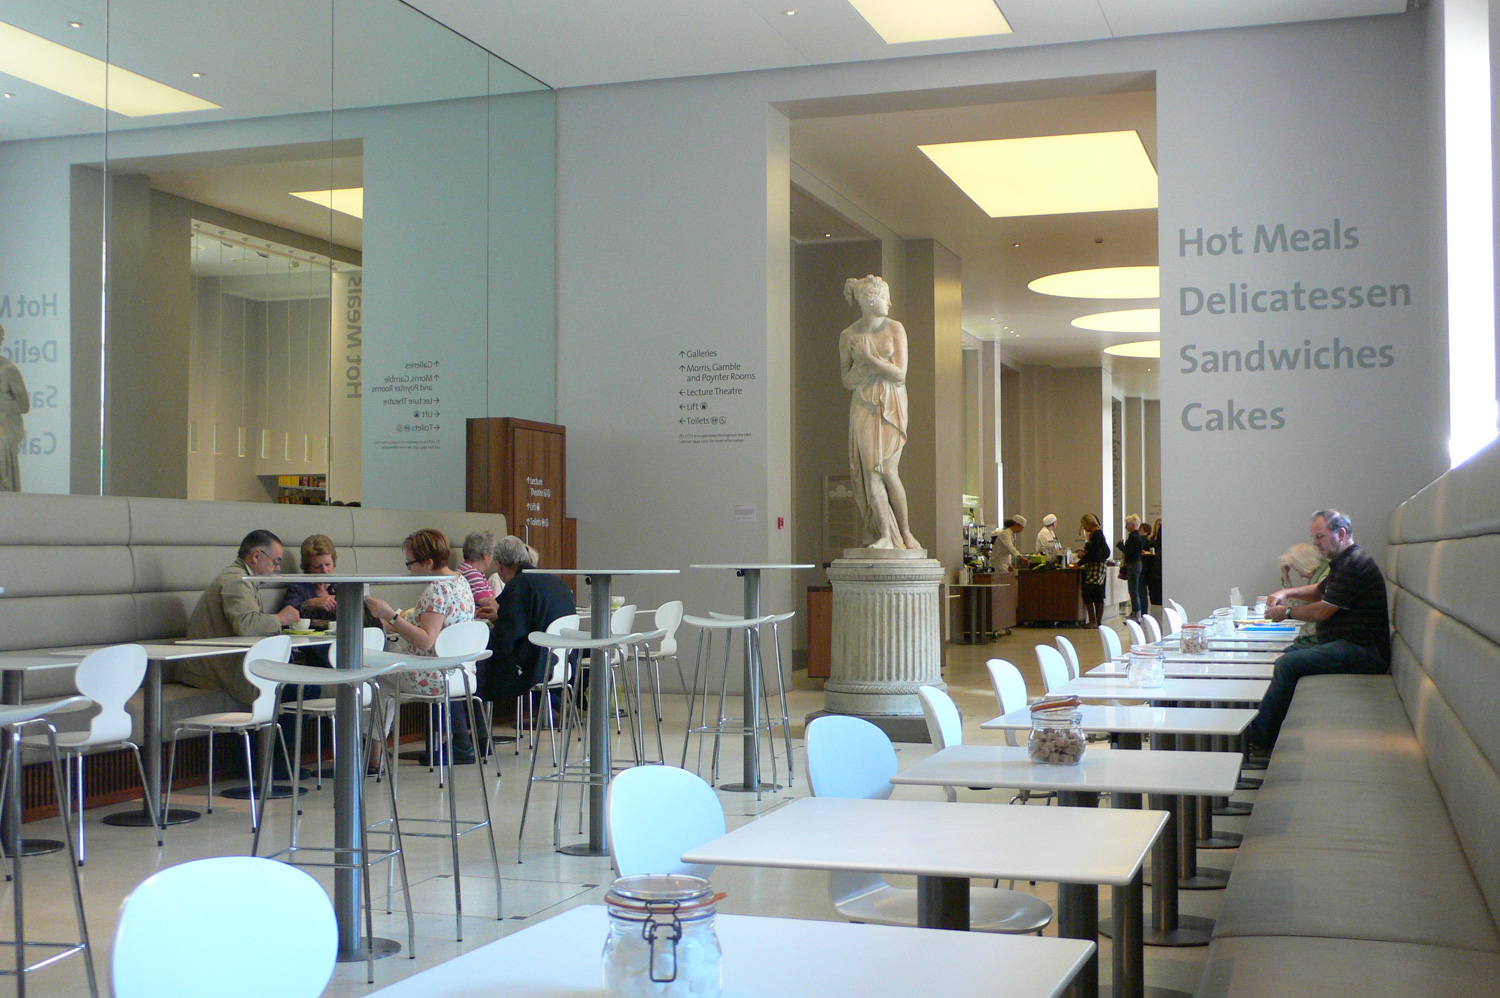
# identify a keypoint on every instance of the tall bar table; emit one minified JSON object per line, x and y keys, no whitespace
{"x":750,"y":692}
{"x":348,"y":778}
{"x":13,"y":669}
{"x":599,"y":699}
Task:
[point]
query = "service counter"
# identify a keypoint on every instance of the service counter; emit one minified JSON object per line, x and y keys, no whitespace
{"x":1049,"y":596}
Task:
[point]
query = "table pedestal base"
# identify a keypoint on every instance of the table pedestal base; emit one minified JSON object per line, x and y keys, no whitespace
{"x":1192,"y":930}
{"x":1249,"y":783}
{"x":749,"y":788}
{"x":1234,"y":809}
{"x":1221,"y":840}
{"x":1205,"y":878}
{"x":39,"y":847}
{"x":582,"y":849}
{"x":278,"y":792}
{"x":139,"y":818}
{"x":379,"y":948}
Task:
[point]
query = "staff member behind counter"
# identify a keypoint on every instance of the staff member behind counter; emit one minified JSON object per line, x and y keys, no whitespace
{"x":1006,"y":554}
{"x":1046,"y":538}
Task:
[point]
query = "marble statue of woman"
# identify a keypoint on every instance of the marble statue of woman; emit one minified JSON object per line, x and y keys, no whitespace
{"x":15,"y":402}
{"x":872,"y":363}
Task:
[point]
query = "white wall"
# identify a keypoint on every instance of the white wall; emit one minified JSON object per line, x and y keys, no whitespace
{"x":666,"y":244}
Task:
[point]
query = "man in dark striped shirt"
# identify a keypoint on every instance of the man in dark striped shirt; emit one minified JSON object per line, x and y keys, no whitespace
{"x":1348,"y":606}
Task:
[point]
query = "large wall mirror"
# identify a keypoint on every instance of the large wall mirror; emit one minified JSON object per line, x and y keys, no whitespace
{"x":269,"y":251}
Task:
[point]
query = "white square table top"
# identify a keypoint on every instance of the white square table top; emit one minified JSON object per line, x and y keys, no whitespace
{"x":942,"y":839}
{"x":1115,"y":688}
{"x":1172,"y":653}
{"x":31,"y":661}
{"x":1116,"y":771}
{"x":1142,"y":720}
{"x":1176,"y":669}
{"x":750,"y":566}
{"x":298,"y":641}
{"x":161,"y":651}
{"x":333,"y":580}
{"x":781,"y":957}
{"x":607,"y":571}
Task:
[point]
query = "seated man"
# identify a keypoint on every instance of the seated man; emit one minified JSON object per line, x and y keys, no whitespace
{"x":529,"y":602}
{"x":1353,"y":632}
{"x":230,"y":606}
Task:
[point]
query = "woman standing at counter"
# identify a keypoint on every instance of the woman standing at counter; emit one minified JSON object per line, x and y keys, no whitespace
{"x":1092,"y":558}
{"x":1151,"y":555}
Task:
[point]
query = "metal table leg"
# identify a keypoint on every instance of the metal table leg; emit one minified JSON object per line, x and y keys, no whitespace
{"x":943,"y":903}
{"x":151,"y":750}
{"x":600,"y":709}
{"x":750,"y":741}
{"x":13,"y":691}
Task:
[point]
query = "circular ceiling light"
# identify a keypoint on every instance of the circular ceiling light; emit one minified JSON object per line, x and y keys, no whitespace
{"x":1140,"y":348}
{"x":1105,"y":282}
{"x":1128,"y":320}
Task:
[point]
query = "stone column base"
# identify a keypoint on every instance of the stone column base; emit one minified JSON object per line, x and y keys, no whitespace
{"x":886,"y":637}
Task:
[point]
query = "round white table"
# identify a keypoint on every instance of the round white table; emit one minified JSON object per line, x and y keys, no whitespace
{"x":349,"y":764}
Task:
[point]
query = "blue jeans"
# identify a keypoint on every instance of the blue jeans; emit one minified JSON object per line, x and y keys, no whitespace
{"x":1317,"y":660}
{"x":1135,"y":583}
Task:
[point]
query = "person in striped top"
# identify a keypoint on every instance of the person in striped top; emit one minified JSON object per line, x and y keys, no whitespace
{"x":479,"y":561}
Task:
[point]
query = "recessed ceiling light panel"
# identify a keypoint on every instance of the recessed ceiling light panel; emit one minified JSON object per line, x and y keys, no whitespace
{"x":82,"y":77}
{"x":1050,"y":174}
{"x":1103,"y":282}
{"x":346,"y":200}
{"x":1129,"y":320}
{"x":899,"y":21}
{"x":1140,"y":348}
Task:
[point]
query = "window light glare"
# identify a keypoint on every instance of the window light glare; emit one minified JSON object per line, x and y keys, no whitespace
{"x":1050,"y":174}
{"x":1139,"y":348}
{"x":1103,"y":282}
{"x":345,"y":200}
{"x":1129,"y":320}
{"x":84,"y":78}
{"x":898,"y":21}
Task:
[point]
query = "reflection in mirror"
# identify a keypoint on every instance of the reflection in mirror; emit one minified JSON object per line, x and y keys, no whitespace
{"x":285,"y":112}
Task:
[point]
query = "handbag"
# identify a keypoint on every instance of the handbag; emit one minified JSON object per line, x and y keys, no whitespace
{"x":1124,"y":573}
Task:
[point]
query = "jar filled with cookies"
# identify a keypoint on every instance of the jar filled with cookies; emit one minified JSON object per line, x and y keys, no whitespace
{"x":1057,"y":737}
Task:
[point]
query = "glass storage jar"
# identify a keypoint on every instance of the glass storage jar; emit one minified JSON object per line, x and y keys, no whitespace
{"x":1223,"y":622}
{"x":662,"y":942}
{"x":1194,"y":639}
{"x":1056,"y":732}
{"x":1147,"y":669}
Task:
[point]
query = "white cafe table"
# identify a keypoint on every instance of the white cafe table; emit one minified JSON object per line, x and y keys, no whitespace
{"x":1175,"y":669}
{"x":349,"y":758}
{"x":1165,"y":775}
{"x":1141,"y":720}
{"x":1172,"y":653}
{"x":768,"y":958}
{"x":14,"y":667}
{"x":944,"y":845}
{"x":600,"y":766}
{"x":1188,"y":690}
{"x":750,"y":689}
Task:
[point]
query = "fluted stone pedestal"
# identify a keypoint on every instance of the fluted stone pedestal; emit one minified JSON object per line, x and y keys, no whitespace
{"x":886,"y":639}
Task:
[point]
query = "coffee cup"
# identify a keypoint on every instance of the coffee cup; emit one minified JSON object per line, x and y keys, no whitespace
{"x":1241,"y":611}
{"x":303,"y":624}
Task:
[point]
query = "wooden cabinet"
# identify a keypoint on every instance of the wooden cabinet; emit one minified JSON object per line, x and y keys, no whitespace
{"x":518,"y":467}
{"x":819,"y":631}
{"x":1049,"y":595}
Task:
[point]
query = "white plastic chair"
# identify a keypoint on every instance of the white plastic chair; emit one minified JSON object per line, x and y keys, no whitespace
{"x":1069,"y":654}
{"x":945,"y":725}
{"x":1054,"y":669}
{"x":108,"y":677}
{"x":669,"y":619}
{"x":1173,"y":618}
{"x":1181,"y":610}
{"x":850,"y":757}
{"x":559,"y":674}
{"x":1153,"y":629}
{"x":1111,"y":639}
{"x":1137,"y":636}
{"x":1010,"y":689}
{"x":231,"y":927}
{"x":262,"y":714}
{"x":657,"y":813}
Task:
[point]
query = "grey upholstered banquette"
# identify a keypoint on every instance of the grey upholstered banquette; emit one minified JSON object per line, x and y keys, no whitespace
{"x":1371,"y":864}
{"x":100,"y":570}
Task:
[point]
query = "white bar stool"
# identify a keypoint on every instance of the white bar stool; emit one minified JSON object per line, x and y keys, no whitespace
{"x":569,"y":641}
{"x":722,"y":725}
{"x":461,"y":677}
{"x":12,"y":719}
{"x":765,"y":694}
{"x":310,"y":675}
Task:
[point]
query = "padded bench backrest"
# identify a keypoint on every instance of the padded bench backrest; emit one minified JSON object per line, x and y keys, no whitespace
{"x":106,"y":569}
{"x":1443,"y":566}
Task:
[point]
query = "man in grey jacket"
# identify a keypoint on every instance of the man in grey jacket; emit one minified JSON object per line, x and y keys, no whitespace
{"x":230,"y":606}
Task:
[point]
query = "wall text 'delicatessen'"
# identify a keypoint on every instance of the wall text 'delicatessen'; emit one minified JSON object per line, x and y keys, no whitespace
{"x":1283,"y":344}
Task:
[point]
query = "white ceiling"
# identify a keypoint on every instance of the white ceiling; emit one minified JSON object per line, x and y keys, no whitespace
{"x":575,"y":43}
